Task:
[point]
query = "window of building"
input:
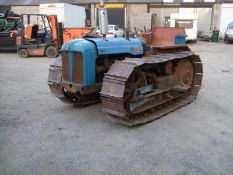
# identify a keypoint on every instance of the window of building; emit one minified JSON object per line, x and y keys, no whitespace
{"x":187,"y":24}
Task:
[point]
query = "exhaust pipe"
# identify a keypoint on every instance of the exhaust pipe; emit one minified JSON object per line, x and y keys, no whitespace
{"x":103,"y":19}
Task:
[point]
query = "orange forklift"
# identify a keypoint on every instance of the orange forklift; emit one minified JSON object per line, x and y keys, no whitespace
{"x":38,"y":36}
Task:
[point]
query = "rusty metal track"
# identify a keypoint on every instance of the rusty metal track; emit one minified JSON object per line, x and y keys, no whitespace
{"x":55,"y":78}
{"x":56,"y":87}
{"x":115,"y":86}
{"x":113,"y":93}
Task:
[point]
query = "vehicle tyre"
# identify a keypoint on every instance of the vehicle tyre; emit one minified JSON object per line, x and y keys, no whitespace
{"x":23,"y":53}
{"x":51,"y":52}
{"x":115,"y":36}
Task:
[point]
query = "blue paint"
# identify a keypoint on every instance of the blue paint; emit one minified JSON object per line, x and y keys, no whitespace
{"x":92,"y":48}
{"x":118,"y":45}
{"x":89,"y":54}
{"x":180,"y":39}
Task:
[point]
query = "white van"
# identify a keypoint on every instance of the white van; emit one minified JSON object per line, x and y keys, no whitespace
{"x":188,"y":21}
{"x":71,"y":16}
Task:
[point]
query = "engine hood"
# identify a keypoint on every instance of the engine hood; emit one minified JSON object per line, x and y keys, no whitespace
{"x":110,"y":46}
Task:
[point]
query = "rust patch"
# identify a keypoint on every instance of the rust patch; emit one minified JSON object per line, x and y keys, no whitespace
{"x":65,"y":66}
{"x":77,"y":68}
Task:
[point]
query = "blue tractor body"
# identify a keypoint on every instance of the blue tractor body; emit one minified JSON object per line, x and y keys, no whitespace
{"x":92,"y":49}
{"x":89,"y":54}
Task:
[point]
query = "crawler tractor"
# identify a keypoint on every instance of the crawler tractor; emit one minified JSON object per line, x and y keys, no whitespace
{"x":136,"y":80}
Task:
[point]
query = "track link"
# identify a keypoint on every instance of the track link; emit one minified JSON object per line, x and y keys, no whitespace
{"x":114,"y":90}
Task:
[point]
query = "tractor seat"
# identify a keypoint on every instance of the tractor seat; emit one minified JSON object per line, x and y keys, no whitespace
{"x":34,"y":31}
{"x":31,"y":31}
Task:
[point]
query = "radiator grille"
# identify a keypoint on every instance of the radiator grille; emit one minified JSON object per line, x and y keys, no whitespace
{"x":65,"y":66}
{"x":77,"y":73}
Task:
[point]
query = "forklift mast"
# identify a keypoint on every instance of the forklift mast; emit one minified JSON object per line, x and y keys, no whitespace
{"x":54,"y":29}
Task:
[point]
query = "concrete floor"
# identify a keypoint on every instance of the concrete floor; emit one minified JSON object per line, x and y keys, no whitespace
{"x":41,"y":136}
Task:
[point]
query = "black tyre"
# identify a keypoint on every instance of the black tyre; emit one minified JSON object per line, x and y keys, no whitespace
{"x":115,"y":36}
{"x":51,"y":52}
{"x":23,"y":53}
